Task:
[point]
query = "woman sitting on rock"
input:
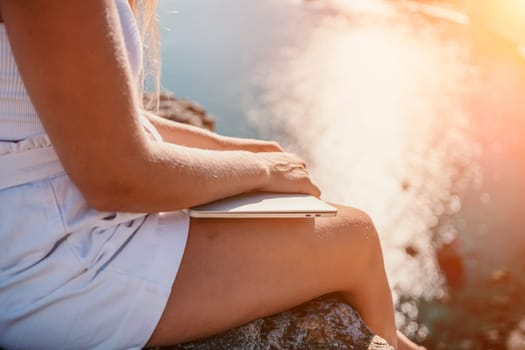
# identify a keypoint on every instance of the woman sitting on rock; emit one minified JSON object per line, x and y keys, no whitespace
{"x":96,"y":250}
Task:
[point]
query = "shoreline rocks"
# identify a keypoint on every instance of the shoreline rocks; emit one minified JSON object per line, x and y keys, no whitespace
{"x":325,"y":323}
{"x":180,"y":110}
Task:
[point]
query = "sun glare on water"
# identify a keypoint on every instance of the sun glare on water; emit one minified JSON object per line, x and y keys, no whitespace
{"x":385,"y":125}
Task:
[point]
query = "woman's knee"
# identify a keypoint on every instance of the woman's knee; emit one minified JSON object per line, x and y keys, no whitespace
{"x":359,"y":235}
{"x":359,"y":257}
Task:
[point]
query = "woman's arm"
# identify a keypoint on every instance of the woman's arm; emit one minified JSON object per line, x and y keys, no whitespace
{"x":191,"y":136}
{"x":71,"y":57}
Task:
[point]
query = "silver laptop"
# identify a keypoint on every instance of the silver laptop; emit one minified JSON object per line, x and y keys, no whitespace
{"x":265,"y":205}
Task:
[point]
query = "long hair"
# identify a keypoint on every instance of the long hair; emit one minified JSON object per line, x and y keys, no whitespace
{"x":146,"y":14}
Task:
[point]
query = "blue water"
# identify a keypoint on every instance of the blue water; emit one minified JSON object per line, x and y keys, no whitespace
{"x":211,"y":50}
{"x":412,"y":114}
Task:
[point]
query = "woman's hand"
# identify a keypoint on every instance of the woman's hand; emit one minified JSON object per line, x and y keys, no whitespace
{"x":287,"y":173}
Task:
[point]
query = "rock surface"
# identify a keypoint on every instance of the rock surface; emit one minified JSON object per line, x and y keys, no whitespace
{"x":180,"y":110}
{"x":320,"y":324}
{"x":325,"y":323}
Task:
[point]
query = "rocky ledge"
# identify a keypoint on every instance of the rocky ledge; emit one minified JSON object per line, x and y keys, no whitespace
{"x":324,"y":323}
{"x":180,"y":110}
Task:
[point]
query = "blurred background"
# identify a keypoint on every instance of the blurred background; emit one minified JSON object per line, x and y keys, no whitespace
{"x":411,"y":110}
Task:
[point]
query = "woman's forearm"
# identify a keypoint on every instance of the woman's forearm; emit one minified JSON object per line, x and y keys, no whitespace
{"x":185,"y":135}
{"x":170,"y":177}
{"x":192,"y":136}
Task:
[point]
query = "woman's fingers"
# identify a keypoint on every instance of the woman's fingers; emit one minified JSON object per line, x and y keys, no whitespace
{"x":272,"y":146}
{"x":316,"y":191}
{"x":251,"y":145}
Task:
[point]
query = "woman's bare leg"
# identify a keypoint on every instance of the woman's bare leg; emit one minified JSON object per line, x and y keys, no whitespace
{"x":235,"y":271}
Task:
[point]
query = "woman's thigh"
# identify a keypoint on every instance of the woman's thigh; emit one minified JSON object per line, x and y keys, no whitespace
{"x":234,"y":271}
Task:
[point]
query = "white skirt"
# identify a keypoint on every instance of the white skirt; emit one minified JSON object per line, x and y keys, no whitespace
{"x":72,"y":277}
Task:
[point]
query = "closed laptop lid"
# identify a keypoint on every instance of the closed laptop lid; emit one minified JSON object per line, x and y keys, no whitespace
{"x":263,"y":204}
